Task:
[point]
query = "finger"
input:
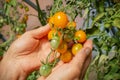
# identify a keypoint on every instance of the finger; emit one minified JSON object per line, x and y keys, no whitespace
{"x":40,"y":32}
{"x":60,"y":63}
{"x":89,"y":44}
{"x":87,"y":62}
{"x":81,"y":56}
{"x":41,"y":78}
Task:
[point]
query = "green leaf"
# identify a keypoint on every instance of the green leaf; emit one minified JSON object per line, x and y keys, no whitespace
{"x":102,"y":58}
{"x":13,"y":3}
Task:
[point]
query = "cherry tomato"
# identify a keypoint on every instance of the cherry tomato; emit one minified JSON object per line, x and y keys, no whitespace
{"x":66,"y":57}
{"x":51,"y":22}
{"x":80,"y":36}
{"x":55,"y":42}
{"x":75,"y":48}
{"x":53,"y":33}
{"x":70,"y":44}
{"x":62,"y":47}
{"x":45,"y":70}
{"x":68,"y":37}
{"x":60,"y":20}
{"x":71,"y":25}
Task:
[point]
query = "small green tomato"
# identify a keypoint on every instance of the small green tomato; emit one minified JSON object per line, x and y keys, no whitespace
{"x":45,"y":70}
{"x":55,"y":42}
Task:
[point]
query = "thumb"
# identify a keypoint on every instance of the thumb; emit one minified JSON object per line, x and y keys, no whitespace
{"x":40,"y":32}
{"x":41,"y":78}
{"x":81,"y":56}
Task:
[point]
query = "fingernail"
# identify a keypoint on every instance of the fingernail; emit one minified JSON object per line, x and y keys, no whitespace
{"x":87,"y":50}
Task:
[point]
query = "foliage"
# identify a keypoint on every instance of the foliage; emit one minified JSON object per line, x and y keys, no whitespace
{"x":101,"y":23}
{"x":10,"y":17}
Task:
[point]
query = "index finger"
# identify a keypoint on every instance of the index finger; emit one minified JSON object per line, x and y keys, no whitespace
{"x":40,"y":32}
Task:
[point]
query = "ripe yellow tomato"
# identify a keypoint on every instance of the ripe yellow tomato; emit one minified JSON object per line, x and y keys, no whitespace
{"x":53,"y":33}
{"x":71,"y":24}
{"x":66,"y":57}
{"x":75,"y":48}
{"x":51,"y":22}
{"x":60,"y":20}
{"x":62,"y":47}
{"x":80,"y":35}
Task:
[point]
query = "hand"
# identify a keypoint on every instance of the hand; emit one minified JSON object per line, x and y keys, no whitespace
{"x":25,"y":54}
{"x":74,"y":70}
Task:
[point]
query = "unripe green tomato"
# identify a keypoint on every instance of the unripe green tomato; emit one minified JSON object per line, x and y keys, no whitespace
{"x":55,"y":42}
{"x":45,"y":70}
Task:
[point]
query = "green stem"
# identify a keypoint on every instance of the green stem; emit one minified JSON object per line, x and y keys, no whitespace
{"x":41,"y":16}
{"x":48,"y":57}
{"x":31,"y":4}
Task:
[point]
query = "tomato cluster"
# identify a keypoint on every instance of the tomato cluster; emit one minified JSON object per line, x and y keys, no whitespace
{"x":64,"y":38}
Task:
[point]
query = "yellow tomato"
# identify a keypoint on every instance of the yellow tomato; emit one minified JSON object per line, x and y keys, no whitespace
{"x":75,"y":48}
{"x":60,"y":20}
{"x":80,"y":36}
{"x":62,"y":47}
{"x":71,"y":24}
{"x":66,"y":57}
{"x":51,"y":22}
{"x":53,"y":33}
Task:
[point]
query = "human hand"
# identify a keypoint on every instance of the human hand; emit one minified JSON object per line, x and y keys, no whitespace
{"x":75,"y":69}
{"x":25,"y":54}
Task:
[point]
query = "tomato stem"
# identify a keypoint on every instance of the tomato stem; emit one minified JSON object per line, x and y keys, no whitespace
{"x":48,"y":57}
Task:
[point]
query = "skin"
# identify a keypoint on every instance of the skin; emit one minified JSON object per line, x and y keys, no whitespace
{"x":25,"y":53}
